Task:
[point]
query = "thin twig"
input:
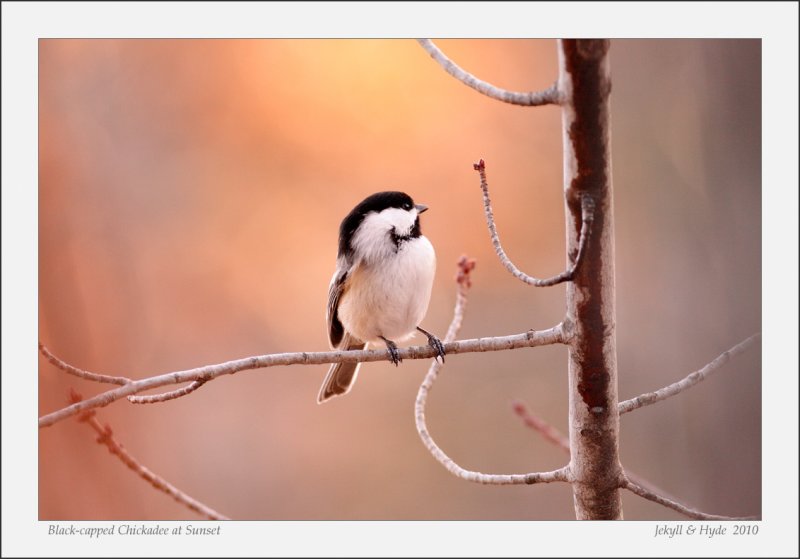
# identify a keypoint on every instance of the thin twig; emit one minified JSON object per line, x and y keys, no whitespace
{"x":67,"y":368}
{"x":550,"y":433}
{"x":562,"y":474}
{"x":556,"y":437}
{"x":105,"y":438}
{"x":209,"y":372}
{"x":587,"y":217}
{"x":686,"y":511}
{"x":166,"y":396}
{"x":549,"y":96}
{"x":689,"y":381}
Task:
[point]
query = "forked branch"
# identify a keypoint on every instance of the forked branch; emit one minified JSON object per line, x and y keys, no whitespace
{"x":166,"y":396}
{"x":211,"y":372}
{"x":587,"y":218}
{"x":549,"y":96}
{"x":562,"y":474}
{"x":635,"y":483}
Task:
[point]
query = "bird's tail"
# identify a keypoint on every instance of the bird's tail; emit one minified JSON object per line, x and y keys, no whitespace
{"x":341,"y":376}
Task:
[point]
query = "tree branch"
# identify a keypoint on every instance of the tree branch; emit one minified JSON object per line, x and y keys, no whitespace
{"x":553,"y":435}
{"x":549,"y":96}
{"x":587,"y":217}
{"x":689,"y":381}
{"x":80,"y":373}
{"x":209,"y":372}
{"x":691,"y":513}
{"x":105,"y":438}
{"x":166,"y":396}
{"x":562,"y":474}
{"x":550,"y":433}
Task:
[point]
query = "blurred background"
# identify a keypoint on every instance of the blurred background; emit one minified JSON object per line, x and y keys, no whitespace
{"x":190,"y":193}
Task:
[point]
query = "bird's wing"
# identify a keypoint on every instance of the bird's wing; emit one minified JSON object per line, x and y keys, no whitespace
{"x":335,"y":328}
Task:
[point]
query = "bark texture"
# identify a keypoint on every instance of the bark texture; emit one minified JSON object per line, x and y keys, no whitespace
{"x":585,"y":86}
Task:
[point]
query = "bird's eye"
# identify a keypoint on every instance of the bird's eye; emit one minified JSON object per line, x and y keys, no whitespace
{"x":406,"y":206}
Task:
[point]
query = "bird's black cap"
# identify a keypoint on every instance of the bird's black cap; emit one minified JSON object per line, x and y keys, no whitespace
{"x":374,"y":203}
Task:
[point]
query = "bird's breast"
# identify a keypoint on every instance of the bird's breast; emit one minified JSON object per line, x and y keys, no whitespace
{"x":390,"y":298}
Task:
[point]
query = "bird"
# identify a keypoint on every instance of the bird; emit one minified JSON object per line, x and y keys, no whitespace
{"x":382,"y":285}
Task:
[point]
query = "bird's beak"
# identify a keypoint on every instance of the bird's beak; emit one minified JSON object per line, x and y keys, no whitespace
{"x":421,"y":208}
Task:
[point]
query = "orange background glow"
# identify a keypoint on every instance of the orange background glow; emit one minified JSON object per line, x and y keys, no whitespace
{"x":190,"y":193}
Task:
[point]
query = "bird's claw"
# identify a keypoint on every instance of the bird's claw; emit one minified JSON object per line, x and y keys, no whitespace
{"x":394,"y":355}
{"x":435,"y":343}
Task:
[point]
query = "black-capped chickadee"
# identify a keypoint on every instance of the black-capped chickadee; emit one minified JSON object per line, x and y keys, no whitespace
{"x":382,"y":284}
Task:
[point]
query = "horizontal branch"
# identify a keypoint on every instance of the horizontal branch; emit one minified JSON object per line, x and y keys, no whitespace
{"x":549,"y":96}
{"x":105,"y":437}
{"x":684,"y":510}
{"x":562,"y":474}
{"x":587,"y":218}
{"x":531,"y":338}
{"x":689,"y":381}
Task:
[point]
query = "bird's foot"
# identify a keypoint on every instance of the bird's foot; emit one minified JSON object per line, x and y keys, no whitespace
{"x":393,"y":354}
{"x":435,"y":343}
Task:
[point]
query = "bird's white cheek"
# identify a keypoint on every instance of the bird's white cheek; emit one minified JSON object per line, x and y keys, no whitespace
{"x":372,"y":242}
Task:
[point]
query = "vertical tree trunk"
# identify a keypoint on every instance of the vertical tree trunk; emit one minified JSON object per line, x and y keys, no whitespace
{"x":585,"y":83}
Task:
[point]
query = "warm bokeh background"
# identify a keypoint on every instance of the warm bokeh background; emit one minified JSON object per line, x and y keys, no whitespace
{"x":189,"y":197}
